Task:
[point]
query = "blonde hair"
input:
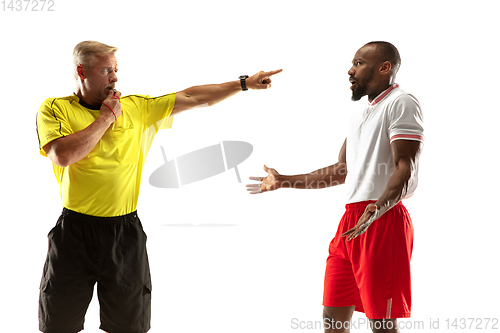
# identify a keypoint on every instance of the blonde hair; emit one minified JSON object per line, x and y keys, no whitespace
{"x":85,"y":53}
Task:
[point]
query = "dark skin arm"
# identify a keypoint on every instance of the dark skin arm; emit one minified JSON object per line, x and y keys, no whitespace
{"x":405,"y":154}
{"x":326,"y":177}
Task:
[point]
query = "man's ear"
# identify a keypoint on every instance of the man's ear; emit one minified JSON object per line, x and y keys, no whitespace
{"x":386,"y":67}
{"x":80,"y":70}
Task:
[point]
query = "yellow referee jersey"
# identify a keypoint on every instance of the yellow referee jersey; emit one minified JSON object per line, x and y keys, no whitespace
{"x":106,"y":182}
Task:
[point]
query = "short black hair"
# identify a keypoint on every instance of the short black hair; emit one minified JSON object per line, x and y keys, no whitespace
{"x":387,"y":52}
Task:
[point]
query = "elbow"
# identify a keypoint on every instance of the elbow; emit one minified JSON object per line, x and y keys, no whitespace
{"x":405,"y":170}
{"x":342,"y":173}
{"x":57,"y":155}
{"x":63,"y":158}
{"x":340,"y":180}
{"x":60,"y":160}
{"x":62,"y":163}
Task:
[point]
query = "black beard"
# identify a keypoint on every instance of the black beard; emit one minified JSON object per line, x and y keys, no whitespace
{"x":358,"y":93}
{"x":361,"y":90}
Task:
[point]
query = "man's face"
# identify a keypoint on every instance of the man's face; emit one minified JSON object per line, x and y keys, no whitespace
{"x":102,"y":76}
{"x":362,"y":72}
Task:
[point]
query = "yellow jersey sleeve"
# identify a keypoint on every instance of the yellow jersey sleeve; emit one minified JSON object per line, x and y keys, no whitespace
{"x":52,"y":122}
{"x":156,"y":111}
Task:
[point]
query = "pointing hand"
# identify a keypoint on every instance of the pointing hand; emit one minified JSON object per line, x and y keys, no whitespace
{"x":261,"y":80}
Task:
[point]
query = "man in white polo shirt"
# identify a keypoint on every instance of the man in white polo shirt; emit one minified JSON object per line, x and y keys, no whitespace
{"x":368,"y":267}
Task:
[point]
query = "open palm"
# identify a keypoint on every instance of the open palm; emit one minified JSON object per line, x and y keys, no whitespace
{"x":269,"y":183}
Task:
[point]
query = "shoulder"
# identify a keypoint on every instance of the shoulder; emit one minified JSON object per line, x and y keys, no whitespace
{"x":402,"y":97}
{"x":404,"y":109}
{"x":139,"y":97}
{"x":134,"y":97}
{"x":51,"y":103}
{"x":403,"y":102}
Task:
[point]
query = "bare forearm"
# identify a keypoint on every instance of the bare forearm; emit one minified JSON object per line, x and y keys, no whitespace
{"x":326,"y":177}
{"x":211,"y":94}
{"x":396,"y":188}
{"x":72,"y":148}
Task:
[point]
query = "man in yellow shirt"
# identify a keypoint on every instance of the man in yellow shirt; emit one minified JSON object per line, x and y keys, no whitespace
{"x":98,"y":141}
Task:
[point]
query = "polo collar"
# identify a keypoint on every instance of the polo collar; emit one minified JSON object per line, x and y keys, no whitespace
{"x":383,"y":94}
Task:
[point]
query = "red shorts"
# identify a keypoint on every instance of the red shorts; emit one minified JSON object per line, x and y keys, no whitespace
{"x":372,"y":271}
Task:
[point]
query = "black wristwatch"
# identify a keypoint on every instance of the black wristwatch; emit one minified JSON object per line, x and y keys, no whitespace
{"x":243,"y":82}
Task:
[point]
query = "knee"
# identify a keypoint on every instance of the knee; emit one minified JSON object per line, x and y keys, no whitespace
{"x":337,"y":319}
{"x":338,"y":313}
{"x":326,"y":313}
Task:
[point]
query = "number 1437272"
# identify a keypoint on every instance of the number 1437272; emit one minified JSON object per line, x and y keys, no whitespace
{"x":28,"y":5}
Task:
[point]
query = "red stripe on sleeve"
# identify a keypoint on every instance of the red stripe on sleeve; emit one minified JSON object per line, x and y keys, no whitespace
{"x":407,"y":136}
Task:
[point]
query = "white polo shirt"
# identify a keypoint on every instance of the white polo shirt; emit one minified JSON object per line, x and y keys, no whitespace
{"x":393,"y":115}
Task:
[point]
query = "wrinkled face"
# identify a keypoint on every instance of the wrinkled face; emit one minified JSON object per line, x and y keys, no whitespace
{"x":362,"y":72}
{"x":102,"y":76}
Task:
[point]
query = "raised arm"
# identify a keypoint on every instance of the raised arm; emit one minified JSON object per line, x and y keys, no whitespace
{"x":326,"y":177}
{"x":405,"y":154}
{"x":72,"y":148}
{"x":210,"y":94}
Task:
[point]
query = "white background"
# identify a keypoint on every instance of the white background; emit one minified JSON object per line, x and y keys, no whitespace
{"x":267,"y":269}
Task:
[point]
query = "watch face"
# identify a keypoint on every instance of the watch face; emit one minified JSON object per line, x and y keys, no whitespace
{"x":243,"y":77}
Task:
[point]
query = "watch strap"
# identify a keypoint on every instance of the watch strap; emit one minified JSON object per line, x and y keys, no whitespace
{"x":243,"y":82}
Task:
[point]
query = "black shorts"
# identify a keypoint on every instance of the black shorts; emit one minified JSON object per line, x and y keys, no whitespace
{"x":84,"y":250}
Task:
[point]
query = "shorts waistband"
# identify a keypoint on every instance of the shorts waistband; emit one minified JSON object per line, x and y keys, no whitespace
{"x":362,"y":205}
{"x":100,"y":219}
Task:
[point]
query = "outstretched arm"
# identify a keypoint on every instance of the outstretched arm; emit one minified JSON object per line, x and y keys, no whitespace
{"x":210,"y":94}
{"x":329,"y":176}
{"x":405,"y":154}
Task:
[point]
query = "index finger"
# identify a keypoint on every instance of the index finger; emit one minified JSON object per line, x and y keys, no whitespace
{"x":273,"y":72}
{"x":348,"y":232}
{"x":256,"y":178}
